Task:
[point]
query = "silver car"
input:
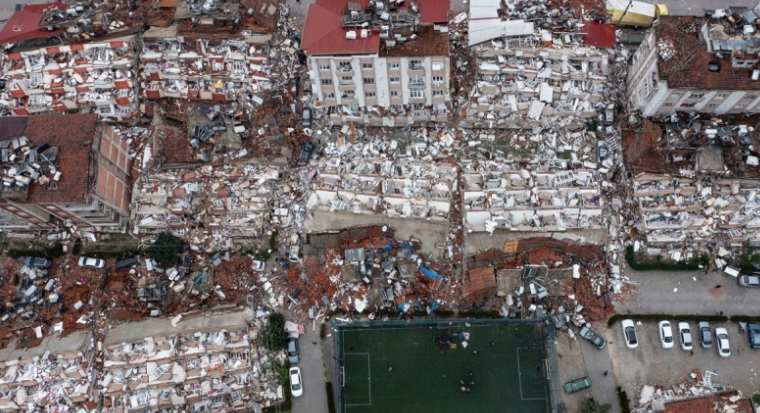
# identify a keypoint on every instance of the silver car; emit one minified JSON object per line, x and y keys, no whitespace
{"x":88,"y":262}
{"x":705,"y":335}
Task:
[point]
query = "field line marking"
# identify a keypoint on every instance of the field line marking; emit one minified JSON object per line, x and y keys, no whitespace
{"x":369,"y":379}
{"x":519,"y":376}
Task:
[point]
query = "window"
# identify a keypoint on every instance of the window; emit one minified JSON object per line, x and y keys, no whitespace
{"x":330,"y":95}
{"x":712,"y":105}
{"x":415,"y":64}
{"x":696,"y":95}
{"x":369,"y":94}
{"x":416,"y":93}
{"x":344,"y":66}
{"x":687,"y":105}
{"x":437,"y":65}
{"x":675,"y":95}
{"x":369,"y":80}
{"x":394,"y":80}
{"x":741,"y":105}
{"x":720,"y":95}
{"x":393,"y":65}
{"x":417,"y":80}
{"x":346,"y":79}
{"x":324,"y":66}
{"x":125,"y":110}
{"x":325,"y":81}
{"x":394,"y":93}
{"x":437,"y":79}
{"x":366,"y":66}
{"x":668,"y":104}
{"x":437,"y":93}
{"x":748,"y":97}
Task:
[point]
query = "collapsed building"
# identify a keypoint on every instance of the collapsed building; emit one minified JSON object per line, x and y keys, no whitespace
{"x":695,"y":182}
{"x":214,"y":371}
{"x":377,"y":62}
{"x":500,"y":195}
{"x":405,"y":188}
{"x":706,"y":65}
{"x":48,"y":382}
{"x":529,"y":76}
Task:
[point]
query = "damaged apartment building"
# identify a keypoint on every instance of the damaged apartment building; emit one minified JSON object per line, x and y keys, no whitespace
{"x":695,"y":183}
{"x":403,"y":188}
{"x":536,"y":66}
{"x":230,"y":201}
{"x":49,"y":70}
{"x":200,"y":372}
{"x":60,"y":171}
{"x":214,"y":51}
{"x":693,"y":64}
{"x":48,"y":382}
{"x":378,"y":62}
{"x":504,"y":195}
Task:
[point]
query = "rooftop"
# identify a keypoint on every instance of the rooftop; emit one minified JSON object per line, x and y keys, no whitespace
{"x":429,"y":43}
{"x":711,"y":404}
{"x":684,"y":57}
{"x":68,"y":133}
{"x":329,"y":21}
{"x":25,"y":24}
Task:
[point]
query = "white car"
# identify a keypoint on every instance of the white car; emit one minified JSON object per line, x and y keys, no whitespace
{"x":629,"y":333}
{"x":259,"y":265}
{"x":296,"y":385}
{"x":684,"y":332}
{"x":91,"y":262}
{"x":721,"y":338}
{"x":666,"y":334}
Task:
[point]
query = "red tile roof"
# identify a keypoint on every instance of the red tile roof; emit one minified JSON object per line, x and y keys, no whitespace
{"x":600,"y":35}
{"x":69,"y":133}
{"x":25,"y":24}
{"x":706,"y":405}
{"x":323,"y":32}
{"x":434,"y":11}
{"x":688,"y":67}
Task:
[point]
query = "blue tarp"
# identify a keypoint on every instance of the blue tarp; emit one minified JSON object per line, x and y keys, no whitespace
{"x":405,"y":306}
{"x":389,"y":247}
{"x":407,"y":246}
{"x":430,"y":273}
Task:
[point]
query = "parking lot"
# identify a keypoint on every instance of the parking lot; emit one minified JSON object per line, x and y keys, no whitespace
{"x":651,"y":364}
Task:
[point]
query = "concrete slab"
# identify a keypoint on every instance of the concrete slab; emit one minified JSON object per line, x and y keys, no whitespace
{"x":73,"y":342}
{"x":132,"y":332}
{"x":481,"y":241}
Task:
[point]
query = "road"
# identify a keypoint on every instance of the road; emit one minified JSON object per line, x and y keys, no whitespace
{"x":688,"y":293}
{"x":314,"y":399}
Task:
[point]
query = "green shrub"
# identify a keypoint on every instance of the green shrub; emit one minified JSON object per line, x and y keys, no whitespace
{"x":695,"y":263}
{"x":274,"y":337}
{"x":53,"y":252}
{"x":165,"y":251}
{"x":280,"y":369}
{"x":77,"y":247}
{"x":625,"y":405}
{"x":756,"y":398}
{"x":322,"y":331}
{"x":330,"y":397}
{"x":746,"y":260}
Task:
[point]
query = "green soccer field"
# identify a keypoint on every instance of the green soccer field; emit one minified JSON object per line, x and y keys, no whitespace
{"x":508,"y":377}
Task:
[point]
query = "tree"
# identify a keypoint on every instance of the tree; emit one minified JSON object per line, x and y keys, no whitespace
{"x":165,"y":251}
{"x":274,"y":336}
{"x":592,"y":406}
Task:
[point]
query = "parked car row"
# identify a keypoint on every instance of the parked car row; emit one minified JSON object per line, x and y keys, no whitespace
{"x":686,"y":338}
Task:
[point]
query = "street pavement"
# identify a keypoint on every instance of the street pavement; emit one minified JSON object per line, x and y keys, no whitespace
{"x":662,"y":292}
{"x":314,"y":399}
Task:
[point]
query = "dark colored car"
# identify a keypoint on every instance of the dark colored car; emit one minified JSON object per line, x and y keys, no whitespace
{"x":595,"y":339}
{"x":753,"y":330}
{"x":292,"y":350}
{"x":37,"y":262}
{"x":126,"y":262}
{"x":306,"y":150}
{"x":705,"y":335}
{"x":577,"y":385}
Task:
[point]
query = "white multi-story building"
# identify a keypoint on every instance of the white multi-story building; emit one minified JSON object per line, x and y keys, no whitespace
{"x":697,"y":65}
{"x":378,"y":63}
